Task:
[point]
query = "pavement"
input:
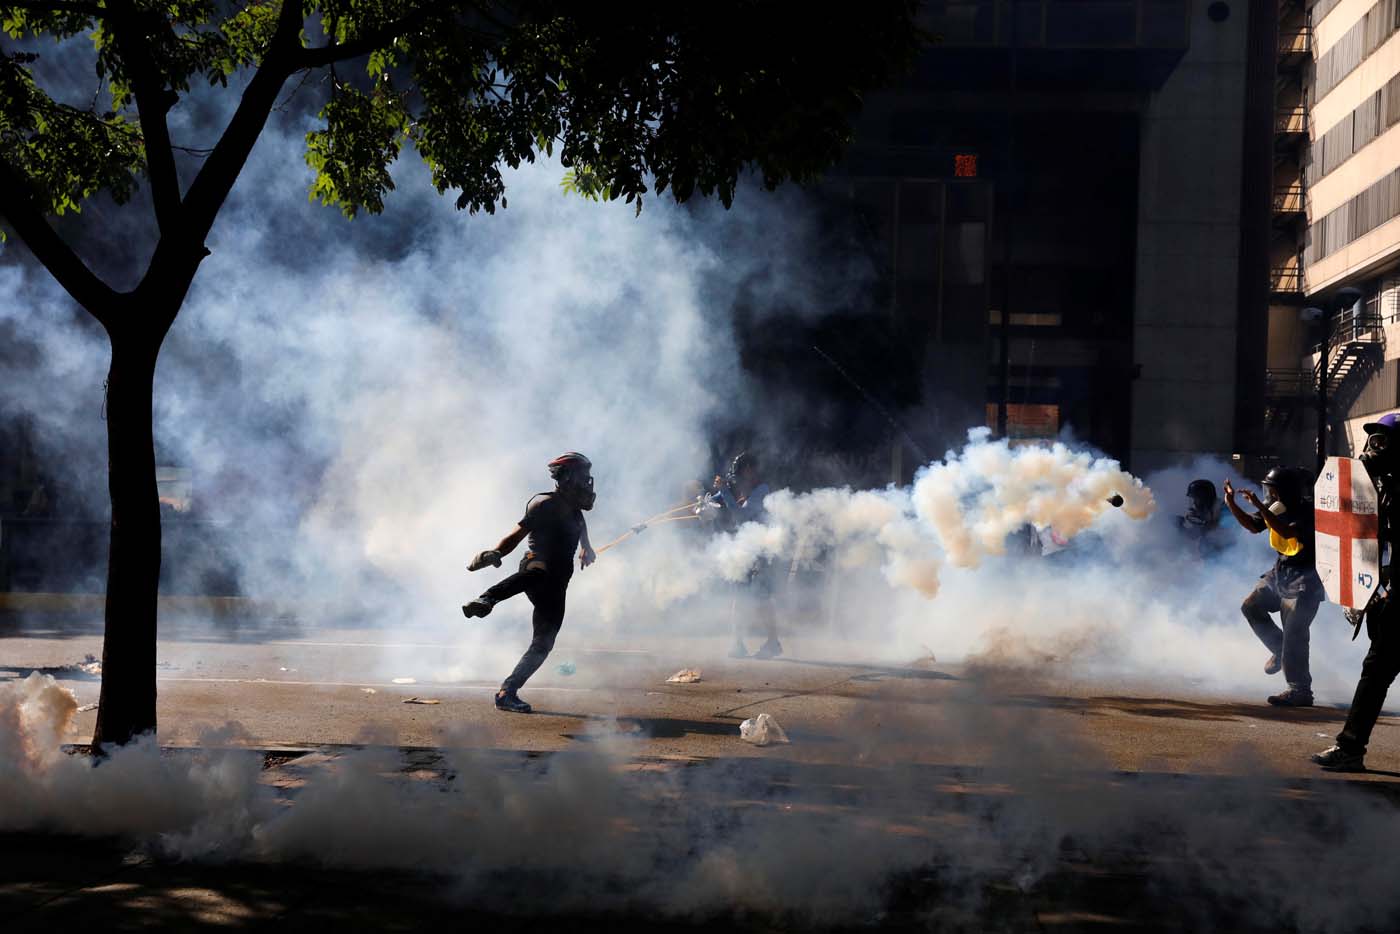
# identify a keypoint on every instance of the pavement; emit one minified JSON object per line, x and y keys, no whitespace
{"x":992,"y":770}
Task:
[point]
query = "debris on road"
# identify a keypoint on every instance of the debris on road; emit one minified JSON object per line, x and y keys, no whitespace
{"x":405,"y":680}
{"x":422,"y":700}
{"x":86,"y":707}
{"x":685,"y":676}
{"x":762,"y":730}
{"x":567,"y":669}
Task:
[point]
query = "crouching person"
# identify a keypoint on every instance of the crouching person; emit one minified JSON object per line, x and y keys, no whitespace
{"x":554,"y":525}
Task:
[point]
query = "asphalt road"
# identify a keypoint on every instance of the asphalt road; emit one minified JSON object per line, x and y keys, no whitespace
{"x":941,"y":796}
{"x":292,"y":686}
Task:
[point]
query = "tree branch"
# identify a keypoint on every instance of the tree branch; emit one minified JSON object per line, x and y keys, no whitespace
{"x":177,"y":257}
{"x":18,"y":207}
{"x":362,"y":45}
{"x":153,"y":102}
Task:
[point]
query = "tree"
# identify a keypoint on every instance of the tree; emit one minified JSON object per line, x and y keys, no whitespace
{"x":635,"y":99}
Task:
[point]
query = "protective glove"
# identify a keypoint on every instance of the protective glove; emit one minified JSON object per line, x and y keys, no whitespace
{"x":490,"y":556}
{"x":707,"y":508}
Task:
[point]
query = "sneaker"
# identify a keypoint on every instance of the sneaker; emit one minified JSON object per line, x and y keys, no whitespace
{"x":1273,"y":666}
{"x":481,"y":606}
{"x":1337,"y":759}
{"x":738,"y":651}
{"x":1292,"y":698}
{"x":770,"y":649}
{"x":509,"y":700}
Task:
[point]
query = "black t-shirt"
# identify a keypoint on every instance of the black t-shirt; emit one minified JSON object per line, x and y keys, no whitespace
{"x":555,"y":528}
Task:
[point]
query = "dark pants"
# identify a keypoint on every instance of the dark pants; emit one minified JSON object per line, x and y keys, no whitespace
{"x":1378,"y":670}
{"x":546,"y":592}
{"x":762,"y":582}
{"x":1294,"y":596}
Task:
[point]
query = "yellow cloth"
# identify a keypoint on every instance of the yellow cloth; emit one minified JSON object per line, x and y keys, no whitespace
{"x":1288,"y":547}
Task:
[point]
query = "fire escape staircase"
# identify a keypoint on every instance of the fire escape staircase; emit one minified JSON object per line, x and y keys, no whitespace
{"x":1356,"y":354}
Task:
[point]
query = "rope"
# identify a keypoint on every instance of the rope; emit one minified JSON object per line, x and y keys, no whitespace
{"x":638,"y":528}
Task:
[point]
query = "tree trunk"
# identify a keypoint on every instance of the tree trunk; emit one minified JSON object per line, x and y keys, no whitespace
{"x":127,"y":706}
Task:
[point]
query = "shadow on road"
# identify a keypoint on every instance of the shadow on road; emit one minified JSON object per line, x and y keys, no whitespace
{"x":879,"y":671}
{"x":609,"y":728}
{"x":1174,"y":709}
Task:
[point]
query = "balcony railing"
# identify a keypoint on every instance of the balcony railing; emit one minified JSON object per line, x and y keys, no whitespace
{"x":1288,"y":199}
{"x":1291,"y":120}
{"x":1287,"y":280}
{"x":1295,"y":41}
{"x":1287,"y":383}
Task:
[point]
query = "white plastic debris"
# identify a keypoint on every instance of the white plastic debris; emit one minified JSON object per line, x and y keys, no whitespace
{"x":685,"y":676}
{"x":368,"y":691}
{"x":762,"y":730}
{"x":925,"y":660}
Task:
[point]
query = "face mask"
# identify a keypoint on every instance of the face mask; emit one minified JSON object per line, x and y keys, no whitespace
{"x":1376,"y":457}
{"x":1199,"y":512}
{"x":579,"y":490}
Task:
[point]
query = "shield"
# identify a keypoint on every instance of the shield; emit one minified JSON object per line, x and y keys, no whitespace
{"x":1348,"y":549}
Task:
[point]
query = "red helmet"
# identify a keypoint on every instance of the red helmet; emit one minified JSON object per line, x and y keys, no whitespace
{"x":567,"y":462}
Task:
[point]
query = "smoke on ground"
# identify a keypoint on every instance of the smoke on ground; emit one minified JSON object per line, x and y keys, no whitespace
{"x":815,"y":844}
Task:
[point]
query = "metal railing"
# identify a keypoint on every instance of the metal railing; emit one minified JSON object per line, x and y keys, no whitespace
{"x":1286,"y":383}
{"x":1295,"y":41}
{"x":1291,"y":120}
{"x":1286,"y":279}
{"x":1356,"y":324}
{"x":1288,"y":199}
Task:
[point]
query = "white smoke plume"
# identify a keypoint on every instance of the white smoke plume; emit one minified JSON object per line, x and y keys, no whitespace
{"x":961,"y":509}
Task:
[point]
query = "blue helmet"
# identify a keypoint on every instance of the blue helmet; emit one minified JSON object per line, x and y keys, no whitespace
{"x":1386,"y":423}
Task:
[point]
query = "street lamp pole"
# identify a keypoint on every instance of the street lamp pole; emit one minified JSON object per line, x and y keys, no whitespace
{"x":1323,"y":377}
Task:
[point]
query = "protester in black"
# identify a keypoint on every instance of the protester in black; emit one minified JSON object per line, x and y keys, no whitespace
{"x":1291,"y":588}
{"x":1381,"y":458}
{"x":554,"y":525}
{"x":1201,"y":522}
{"x":743,"y":493}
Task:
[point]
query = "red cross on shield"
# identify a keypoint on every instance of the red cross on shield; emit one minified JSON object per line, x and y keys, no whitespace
{"x":1348,"y":550}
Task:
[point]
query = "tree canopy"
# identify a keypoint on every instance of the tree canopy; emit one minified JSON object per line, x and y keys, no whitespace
{"x":634,"y":99}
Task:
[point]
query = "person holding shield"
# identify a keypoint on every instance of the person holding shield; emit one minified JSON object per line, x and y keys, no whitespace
{"x":1381,"y":458}
{"x":1292,"y":588}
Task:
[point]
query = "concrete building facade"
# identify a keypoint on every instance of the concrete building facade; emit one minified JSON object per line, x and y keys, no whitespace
{"x":1117,"y":210}
{"x":1351,"y":195}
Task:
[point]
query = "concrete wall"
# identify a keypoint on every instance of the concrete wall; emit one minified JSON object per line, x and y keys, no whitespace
{"x":1188,"y":250}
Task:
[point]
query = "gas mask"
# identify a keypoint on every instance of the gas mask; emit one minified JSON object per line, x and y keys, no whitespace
{"x":1202,"y":505}
{"x":577,"y":487}
{"x":1200,"y":512}
{"x":1378,"y":457}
